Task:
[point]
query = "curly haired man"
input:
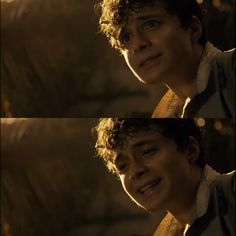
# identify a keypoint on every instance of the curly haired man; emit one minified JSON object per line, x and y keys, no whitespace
{"x":165,"y":42}
{"x":161,"y":166}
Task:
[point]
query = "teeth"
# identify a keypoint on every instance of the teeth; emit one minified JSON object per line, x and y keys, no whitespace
{"x":142,"y":190}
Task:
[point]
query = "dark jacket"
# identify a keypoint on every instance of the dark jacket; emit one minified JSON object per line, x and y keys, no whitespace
{"x":216,"y":101}
{"x":219,"y":219}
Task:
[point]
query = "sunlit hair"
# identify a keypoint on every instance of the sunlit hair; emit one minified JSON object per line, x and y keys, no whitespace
{"x":114,"y":14}
{"x":112,"y":132}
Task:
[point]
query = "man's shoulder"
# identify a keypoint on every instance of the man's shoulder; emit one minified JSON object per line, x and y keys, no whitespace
{"x":221,"y":84}
{"x":227,"y":183}
{"x":224,"y":186}
{"x":226,"y":59}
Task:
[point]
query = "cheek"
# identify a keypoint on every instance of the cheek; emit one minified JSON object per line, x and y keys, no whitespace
{"x":176,"y":39}
{"x":124,"y":183}
{"x":172,"y":162}
{"x":126,"y":57}
{"x":129,"y":60}
{"x":127,"y":186}
{"x":184,"y":44}
{"x":176,"y":170}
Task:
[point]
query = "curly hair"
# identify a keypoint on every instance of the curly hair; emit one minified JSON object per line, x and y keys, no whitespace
{"x":112,"y":132}
{"x":114,"y":14}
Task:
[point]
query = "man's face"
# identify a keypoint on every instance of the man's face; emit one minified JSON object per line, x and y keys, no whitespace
{"x":152,"y":171}
{"x":155,"y":46}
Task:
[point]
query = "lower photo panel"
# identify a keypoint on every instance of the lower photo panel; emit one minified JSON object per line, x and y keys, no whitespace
{"x":102,"y":177}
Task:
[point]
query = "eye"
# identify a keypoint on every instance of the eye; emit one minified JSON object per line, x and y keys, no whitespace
{"x":149,"y":152}
{"x":125,"y":38}
{"x":151,"y":25}
{"x":122,"y":167}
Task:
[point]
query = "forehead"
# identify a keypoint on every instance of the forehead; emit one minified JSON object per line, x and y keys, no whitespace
{"x":156,"y":9}
{"x":137,"y":141}
{"x":133,"y":16}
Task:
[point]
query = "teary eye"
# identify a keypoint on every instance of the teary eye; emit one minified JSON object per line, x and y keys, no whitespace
{"x":124,"y":38}
{"x":149,"y":152}
{"x":122,"y":167}
{"x":151,"y":25}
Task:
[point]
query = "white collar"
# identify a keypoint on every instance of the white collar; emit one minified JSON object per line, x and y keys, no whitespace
{"x":203,"y":194}
{"x":209,"y":53}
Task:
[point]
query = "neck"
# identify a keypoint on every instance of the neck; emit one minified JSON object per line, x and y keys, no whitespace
{"x":183,"y":84}
{"x":186,"y":215}
{"x":186,"y":208}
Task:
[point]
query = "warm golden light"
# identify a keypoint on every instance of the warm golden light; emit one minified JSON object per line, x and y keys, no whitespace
{"x":216,"y":3}
{"x":200,"y":122}
{"x":6,"y":229}
{"x":9,"y":121}
{"x":218,"y":125}
{"x":200,"y":1}
{"x":7,"y":1}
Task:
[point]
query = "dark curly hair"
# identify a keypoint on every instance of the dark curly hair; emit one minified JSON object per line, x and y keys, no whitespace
{"x":114,"y":13}
{"x":111,"y":132}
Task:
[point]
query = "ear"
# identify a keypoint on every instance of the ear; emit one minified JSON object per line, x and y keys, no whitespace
{"x":193,"y":150}
{"x":196,"y":29}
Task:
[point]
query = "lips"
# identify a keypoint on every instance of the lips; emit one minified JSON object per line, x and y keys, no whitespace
{"x":148,"y":60}
{"x":149,"y":186}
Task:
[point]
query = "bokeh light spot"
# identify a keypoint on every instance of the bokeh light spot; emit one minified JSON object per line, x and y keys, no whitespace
{"x":218,"y":125}
{"x":200,"y":122}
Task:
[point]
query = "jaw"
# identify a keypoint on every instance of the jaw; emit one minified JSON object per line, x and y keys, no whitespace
{"x":151,"y":200}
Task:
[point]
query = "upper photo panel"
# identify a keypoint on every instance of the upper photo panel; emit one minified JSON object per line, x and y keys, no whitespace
{"x":125,"y":58}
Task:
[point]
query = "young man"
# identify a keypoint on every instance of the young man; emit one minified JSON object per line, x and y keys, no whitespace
{"x":164,"y":41}
{"x":160,"y":163}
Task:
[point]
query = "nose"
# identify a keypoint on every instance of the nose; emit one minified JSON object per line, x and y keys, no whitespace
{"x":141,"y":41}
{"x":137,"y":170}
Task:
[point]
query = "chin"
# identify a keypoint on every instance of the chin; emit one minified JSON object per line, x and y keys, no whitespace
{"x":152,"y":205}
{"x":154,"y":208}
{"x":151,"y":79}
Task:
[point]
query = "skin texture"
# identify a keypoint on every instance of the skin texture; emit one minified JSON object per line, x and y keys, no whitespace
{"x":149,"y":157}
{"x":159,"y":50}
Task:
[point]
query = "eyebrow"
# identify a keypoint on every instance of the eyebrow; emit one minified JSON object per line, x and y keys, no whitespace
{"x":145,"y":142}
{"x":138,"y":144}
{"x":141,"y":18}
{"x":148,"y":16}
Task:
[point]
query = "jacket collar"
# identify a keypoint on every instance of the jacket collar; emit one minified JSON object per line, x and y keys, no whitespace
{"x":209,"y":54}
{"x":170,"y":226}
{"x":170,"y":105}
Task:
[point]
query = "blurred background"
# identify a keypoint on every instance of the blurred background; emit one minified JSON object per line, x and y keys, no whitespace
{"x":53,"y":185}
{"x":55,"y":64}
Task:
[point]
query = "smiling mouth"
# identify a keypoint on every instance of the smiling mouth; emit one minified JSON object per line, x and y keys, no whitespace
{"x":149,"y":186}
{"x":149,"y":61}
